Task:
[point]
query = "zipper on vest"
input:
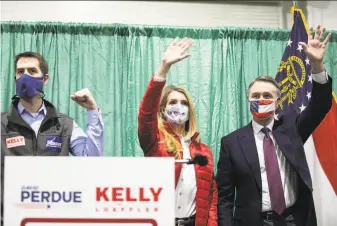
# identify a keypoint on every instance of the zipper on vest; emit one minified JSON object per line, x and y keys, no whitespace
{"x":34,"y":144}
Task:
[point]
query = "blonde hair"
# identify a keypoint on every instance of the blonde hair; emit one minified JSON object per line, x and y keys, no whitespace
{"x":173,"y":146}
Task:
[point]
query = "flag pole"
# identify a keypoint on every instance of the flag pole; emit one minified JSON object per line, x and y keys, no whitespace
{"x":293,"y":8}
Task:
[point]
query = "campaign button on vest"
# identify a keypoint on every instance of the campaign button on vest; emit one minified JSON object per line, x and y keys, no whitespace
{"x":15,"y":141}
{"x":53,"y":143}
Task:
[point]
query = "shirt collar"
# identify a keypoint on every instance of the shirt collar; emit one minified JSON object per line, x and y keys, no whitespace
{"x":22,"y":109}
{"x":257,"y":127}
{"x":182,"y":138}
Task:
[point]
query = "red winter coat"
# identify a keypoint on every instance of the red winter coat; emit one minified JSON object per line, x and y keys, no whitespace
{"x":149,"y":137}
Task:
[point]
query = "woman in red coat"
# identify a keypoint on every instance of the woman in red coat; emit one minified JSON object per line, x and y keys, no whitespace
{"x":167,"y":127}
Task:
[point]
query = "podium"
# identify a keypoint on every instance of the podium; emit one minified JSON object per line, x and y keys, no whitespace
{"x":92,"y":191}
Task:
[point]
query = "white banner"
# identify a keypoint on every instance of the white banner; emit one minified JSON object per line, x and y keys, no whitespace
{"x":66,"y":191}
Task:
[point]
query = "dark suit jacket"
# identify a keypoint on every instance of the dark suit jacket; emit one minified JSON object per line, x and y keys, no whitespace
{"x":239,"y":176}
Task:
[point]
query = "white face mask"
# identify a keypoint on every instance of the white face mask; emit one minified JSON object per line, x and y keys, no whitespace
{"x":176,"y":114}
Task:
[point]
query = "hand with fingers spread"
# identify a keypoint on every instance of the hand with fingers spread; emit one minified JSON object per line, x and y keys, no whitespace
{"x":174,"y":53}
{"x":315,"y":49}
{"x":84,"y":98}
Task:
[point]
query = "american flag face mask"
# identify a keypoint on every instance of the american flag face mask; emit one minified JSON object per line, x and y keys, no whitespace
{"x":262,"y":108}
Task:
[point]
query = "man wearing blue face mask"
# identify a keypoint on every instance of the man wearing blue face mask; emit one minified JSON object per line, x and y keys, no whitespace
{"x":33,"y":127}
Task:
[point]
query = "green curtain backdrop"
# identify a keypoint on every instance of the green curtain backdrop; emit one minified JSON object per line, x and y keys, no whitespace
{"x":116,"y":62}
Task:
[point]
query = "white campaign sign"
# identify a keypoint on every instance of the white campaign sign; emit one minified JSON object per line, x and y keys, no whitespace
{"x":73,"y":191}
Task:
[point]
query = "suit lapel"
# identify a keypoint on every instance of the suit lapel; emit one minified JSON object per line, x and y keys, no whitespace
{"x":248,"y":147}
{"x":284,"y":143}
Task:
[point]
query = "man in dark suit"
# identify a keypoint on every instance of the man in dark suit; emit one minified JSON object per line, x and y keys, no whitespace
{"x":263,"y":177}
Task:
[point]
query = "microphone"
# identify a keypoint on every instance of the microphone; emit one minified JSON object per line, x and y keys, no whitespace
{"x":198,"y":159}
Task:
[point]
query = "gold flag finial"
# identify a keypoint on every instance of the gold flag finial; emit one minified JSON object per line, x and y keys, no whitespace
{"x":292,"y":9}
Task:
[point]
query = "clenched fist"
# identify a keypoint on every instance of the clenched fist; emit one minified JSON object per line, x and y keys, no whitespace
{"x":84,"y":98}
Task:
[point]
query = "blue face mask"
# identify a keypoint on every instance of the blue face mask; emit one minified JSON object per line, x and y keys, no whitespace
{"x":28,"y":86}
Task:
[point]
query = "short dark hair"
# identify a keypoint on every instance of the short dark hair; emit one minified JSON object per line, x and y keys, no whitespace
{"x":268,"y":79}
{"x":42,"y":62}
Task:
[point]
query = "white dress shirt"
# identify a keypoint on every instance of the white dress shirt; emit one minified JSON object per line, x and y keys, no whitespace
{"x":288,"y":175}
{"x":186,"y":187}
